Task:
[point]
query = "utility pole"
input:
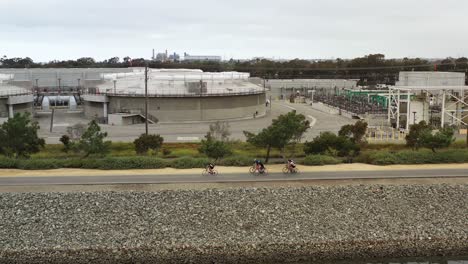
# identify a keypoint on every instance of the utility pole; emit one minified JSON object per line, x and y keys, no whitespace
{"x":146,"y":99}
{"x":58,"y":94}
{"x":466,"y":135}
{"x":52,"y":119}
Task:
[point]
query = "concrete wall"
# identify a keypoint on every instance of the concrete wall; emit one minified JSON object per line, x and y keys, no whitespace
{"x":3,"y":107}
{"x":186,"y":109}
{"x":23,"y":108}
{"x":123,"y":120}
{"x":93,"y":109}
{"x":431,"y":79}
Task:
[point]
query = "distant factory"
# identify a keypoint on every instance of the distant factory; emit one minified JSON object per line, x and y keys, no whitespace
{"x":174,"y":57}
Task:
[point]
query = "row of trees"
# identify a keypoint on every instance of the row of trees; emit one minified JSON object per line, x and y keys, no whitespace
{"x":19,"y":138}
{"x":370,"y":68}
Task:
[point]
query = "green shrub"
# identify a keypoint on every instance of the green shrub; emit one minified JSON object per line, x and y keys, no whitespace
{"x":188,"y":163}
{"x":166,"y":152}
{"x":423,"y":156}
{"x":214,"y":148}
{"x":74,"y":163}
{"x":318,"y":160}
{"x":147,"y":142}
{"x":8,"y":163}
{"x":236,"y":161}
{"x":125,"y":163}
{"x":39,"y":164}
{"x":65,"y":139}
{"x":331,"y":144}
{"x":382,"y":158}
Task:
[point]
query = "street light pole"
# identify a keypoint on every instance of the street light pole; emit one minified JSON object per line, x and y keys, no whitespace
{"x":58,"y":94}
{"x":146,"y":99}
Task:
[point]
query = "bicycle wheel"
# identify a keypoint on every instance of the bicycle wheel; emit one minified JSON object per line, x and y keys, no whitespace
{"x":205,"y":173}
{"x":296,"y":170}
{"x":215,"y":172}
{"x":252,"y":170}
{"x":285,"y":170}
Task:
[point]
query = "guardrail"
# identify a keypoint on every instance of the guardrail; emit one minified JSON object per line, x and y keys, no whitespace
{"x":14,"y":93}
{"x":180,"y":93}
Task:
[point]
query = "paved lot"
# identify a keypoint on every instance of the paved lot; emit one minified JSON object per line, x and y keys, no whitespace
{"x":183,"y":132}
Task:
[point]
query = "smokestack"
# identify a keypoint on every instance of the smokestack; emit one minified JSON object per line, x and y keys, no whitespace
{"x":153,"y":55}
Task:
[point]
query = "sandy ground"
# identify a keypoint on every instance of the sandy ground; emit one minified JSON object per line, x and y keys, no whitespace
{"x":224,"y":170}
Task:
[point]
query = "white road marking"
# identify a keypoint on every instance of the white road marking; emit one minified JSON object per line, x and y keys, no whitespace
{"x":314,"y":120}
{"x":62,"y":125}
{"x":188,"y":138}
{"x":290,"y":107}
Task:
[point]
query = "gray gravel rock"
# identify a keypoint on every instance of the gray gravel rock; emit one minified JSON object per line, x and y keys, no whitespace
{"x":257,"y":225}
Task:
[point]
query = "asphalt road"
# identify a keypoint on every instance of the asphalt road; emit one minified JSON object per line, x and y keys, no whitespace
{"x":188,"y":132}
{"x":179,"y":178}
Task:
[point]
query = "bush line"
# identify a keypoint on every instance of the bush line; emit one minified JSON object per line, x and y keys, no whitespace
{"x":384,"y":157}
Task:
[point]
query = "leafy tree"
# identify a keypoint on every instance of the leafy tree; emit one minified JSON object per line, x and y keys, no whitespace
{"x":417,"y":131}
{"x":326,"y":143}
{"x":16,"y":62}
{"x":447,"y":64}
{"x":92,"y":141}
{"x":441,"y":139}
{"x":18,"y":136}
{"x":421,"y":136}
{"x":86,"y":61}
{"x":113,"y":60}
{"x":329,"y":143}
{"x":220,"y":131}
{"x":354,"y":132}
{"x":213,"y":148}
{"x":147,"y":142}
{"x":285,"y":129}
{"x":462,"y":63}
{"x":67,"y":143}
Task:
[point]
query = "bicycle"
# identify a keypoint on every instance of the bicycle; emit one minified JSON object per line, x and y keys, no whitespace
{"x":287,"y":170}
{"x":254,"y":171}
{"x":207,"y":172}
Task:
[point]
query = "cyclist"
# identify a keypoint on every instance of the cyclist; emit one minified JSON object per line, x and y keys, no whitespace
{"x":291,"y":165}
{"x":259,"y":166}
{"x":210,"y":168}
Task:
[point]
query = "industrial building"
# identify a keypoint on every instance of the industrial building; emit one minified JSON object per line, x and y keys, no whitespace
{"x":188,"y":57}
{"x":439,"y":98}
{"x":117,"y":96}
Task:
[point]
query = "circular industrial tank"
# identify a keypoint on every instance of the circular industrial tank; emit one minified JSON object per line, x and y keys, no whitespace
{"x":177,"y":96}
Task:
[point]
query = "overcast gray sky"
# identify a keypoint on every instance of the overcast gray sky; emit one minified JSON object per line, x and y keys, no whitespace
{"x":69,"y":29}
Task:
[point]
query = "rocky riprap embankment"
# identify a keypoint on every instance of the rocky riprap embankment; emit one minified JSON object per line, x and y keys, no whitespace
{"x":235,"y":225}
